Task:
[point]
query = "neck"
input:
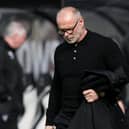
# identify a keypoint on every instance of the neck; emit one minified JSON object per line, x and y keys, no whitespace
{"x":84,"y":33}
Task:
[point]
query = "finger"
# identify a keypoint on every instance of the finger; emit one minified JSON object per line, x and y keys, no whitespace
{"x":90,"y":100}
{"x":87,"y":91}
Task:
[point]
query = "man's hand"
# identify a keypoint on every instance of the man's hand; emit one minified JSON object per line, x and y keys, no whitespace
{"x":50,"y":127}
{"x":90,"y":95}
{"x":121,"y":105}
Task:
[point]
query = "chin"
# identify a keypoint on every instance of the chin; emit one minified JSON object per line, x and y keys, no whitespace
{"x":15,"y":47}
{"x":71,"y":41}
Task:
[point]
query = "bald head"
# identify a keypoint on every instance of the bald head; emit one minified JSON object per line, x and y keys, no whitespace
{"x":71,"y":24}
{"x":67,"y":14}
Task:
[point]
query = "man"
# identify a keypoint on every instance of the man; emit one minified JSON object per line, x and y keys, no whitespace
{"x":82,"y":50}
{"x":11,"y":87}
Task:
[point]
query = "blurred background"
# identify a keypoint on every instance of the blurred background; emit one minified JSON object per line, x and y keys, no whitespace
{"x":109,"y":18}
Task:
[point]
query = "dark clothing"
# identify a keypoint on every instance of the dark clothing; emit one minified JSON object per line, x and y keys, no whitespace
{"x":95,"y":52}
{"x":99,"y":115}
{"x":106,"y":83}
{"x":105,"y":112}
{"x":11,"y":87}
{"x":11,"y":123}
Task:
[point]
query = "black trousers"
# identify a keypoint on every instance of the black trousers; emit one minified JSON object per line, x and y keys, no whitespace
{"x":61,"y":126}
{"x":94,"y":116}
{"x":62,"y":121}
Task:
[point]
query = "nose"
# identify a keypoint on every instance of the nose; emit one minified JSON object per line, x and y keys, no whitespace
{"x":66,"y":34}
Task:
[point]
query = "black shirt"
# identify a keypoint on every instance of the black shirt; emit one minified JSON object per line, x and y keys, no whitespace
{"x":94,"y":52}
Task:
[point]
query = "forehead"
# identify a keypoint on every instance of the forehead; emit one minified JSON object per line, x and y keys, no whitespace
{"x":66,"y":21}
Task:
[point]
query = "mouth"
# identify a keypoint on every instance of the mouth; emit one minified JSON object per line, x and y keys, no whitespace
{"x":69,"y":38}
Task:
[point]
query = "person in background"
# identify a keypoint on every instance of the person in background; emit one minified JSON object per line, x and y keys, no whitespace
{"x":36,"y":57}
{"x":11,"y":80}
{"x":84,"y":50}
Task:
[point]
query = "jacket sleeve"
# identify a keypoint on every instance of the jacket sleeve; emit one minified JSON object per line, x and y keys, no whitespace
{"x":115,"y":64}
{"x":2,"y":80}
{"x":103,"y":81}
{"x":116,"y":81}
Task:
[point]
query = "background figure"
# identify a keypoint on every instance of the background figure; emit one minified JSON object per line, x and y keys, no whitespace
{"x":13,"y":36}
{"x":36,"y":58}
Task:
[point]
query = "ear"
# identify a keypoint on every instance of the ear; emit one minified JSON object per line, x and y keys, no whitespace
{"x":81,"y":21}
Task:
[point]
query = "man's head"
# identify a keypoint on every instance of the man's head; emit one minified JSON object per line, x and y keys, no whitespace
{"x":71,"y":24}
{"x":15,"y":33}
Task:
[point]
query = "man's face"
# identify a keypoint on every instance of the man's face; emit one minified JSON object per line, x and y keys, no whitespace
{"x":70,"y":30}
{"x":17,"y":41}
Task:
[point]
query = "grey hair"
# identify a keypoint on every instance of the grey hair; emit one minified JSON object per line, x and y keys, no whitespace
{"x":15,"y":27}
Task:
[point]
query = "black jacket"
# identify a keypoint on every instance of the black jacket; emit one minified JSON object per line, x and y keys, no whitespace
{"x":105,"y":112}
{"x":108,"y":84}
{"x":11,"y":87}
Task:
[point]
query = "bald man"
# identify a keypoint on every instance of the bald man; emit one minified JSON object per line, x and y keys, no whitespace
{"x":81,"y":50}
